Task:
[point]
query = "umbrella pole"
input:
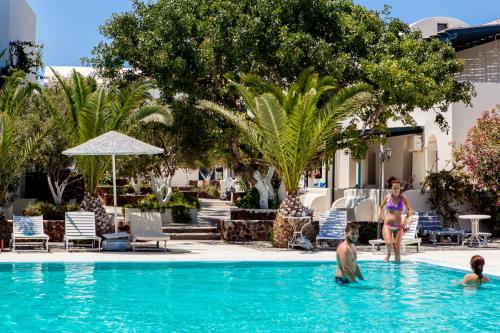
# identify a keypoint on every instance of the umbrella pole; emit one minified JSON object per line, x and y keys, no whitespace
{"x":114,"y":192}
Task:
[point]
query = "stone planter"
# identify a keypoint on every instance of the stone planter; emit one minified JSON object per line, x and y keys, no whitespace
{"x":166,"y":217}
{"x":252,"y":214}
{"x":193,"y":215}
{"x":122,"y":200}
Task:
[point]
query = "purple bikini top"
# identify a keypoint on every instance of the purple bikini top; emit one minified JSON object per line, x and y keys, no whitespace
{"x":392,"y":206}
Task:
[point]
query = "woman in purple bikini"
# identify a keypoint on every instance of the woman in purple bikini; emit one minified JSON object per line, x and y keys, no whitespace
{"x":394,"y":226}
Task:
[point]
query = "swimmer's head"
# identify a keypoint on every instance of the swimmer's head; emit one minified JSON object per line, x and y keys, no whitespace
{"x":477,"y":265}
{"x":352,"y":232}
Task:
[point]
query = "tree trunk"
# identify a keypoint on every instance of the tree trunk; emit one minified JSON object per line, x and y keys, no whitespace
{"x":263,"y":193}
{"x":282,"y":230}
{"x":57,"y":189}
{"x":162,"y":186}
{"x":102,"y":219}
{"x":282,"y":191}
{"x":241,"y":169}
{"x":264,"y":187}
{"x":137,"y":183}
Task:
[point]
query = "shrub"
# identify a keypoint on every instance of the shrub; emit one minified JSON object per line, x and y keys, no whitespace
{"x":49,"y":210}
{"x":447,"y":188}
{"x":250,"y":200}
{"x":208,"y":190}
{"x":478,"y":159}
{"x":180,"y":203}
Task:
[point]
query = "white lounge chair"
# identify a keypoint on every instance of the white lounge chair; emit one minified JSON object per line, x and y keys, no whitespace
{"x":409,"y":237}
{"x":80,"y":226}
{"x":332,"y":226}
{"x":146,"y":226}
{"x":28,"y":228}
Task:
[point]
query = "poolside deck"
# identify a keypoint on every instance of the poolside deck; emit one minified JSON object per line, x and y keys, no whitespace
{"x":220,"y":251}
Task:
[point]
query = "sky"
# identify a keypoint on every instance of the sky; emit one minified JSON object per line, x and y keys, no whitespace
{"x":69,"y":29}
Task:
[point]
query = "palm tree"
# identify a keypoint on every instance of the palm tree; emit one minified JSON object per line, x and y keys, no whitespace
{"x":291,"y":129}
{"x":14,"y":152}
{"x":94,"y":110}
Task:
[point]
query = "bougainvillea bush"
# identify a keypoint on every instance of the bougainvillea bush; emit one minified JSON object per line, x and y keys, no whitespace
{"x":479,"y":159}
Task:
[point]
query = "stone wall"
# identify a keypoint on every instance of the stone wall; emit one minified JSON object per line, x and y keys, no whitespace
{"x":53,"y":228}
{"x":260,"y":230}
{"x":256,"y":230}
{"x":245,"y":230}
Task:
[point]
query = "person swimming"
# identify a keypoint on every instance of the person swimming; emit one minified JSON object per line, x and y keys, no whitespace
{"x":347,"y":267}
{"x":394,"y":226}
{"x":476,"y":278}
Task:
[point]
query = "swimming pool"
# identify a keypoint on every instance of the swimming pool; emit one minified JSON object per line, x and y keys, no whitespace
{"x":240,"y":297}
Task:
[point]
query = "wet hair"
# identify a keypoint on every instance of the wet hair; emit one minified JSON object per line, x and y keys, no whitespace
{"x":395,"y":181}
{"x":477,"y":264}
{"x":351,"y":227}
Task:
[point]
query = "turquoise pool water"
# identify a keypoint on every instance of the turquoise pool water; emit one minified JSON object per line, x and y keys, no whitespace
{"x":240,"y":297}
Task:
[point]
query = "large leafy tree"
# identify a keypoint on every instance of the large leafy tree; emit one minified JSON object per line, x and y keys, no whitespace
{"x":189,"y":46}
{"x":290,"y":128}
{"x":93,"y":110}
{"x":15,"y":149}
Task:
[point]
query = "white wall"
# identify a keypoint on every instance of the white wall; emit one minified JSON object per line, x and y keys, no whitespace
{"x":428,"y":26}
{"x":183,"y":176}
{"x":488,"y":97}
{"x":17,"y":22}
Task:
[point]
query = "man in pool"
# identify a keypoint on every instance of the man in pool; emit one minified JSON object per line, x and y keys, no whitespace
{"x":347,"y":268}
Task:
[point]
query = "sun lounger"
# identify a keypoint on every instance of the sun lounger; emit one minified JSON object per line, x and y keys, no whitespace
{"x":409,"y":237}
{"x":146,"y":226}
{"x":430,"y":225}
{"x":80,"y":226}
{"x":28,"y":228}
{"x":332,"y":226}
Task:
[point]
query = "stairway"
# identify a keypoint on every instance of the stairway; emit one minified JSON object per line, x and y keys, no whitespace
{"x":210,"y":213}
{"x":212,"y":210}
{"x":192,"y":232}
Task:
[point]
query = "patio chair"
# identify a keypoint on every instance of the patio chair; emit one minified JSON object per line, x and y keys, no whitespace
{"x":430,"y":225}
{"x":28,"y":228}
{"x":332,"y":226}
{"x":146,"y":226}
{"x":409,"y":237}
{"x":80,"y":226}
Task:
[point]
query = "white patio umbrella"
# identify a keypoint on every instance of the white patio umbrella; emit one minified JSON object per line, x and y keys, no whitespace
{"x":113,"y":143}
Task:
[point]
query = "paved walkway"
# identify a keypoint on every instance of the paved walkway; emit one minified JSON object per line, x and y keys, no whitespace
{"x":219,"y":251}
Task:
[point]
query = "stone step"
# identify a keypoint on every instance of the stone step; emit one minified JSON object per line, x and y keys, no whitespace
{"x":189,"y":229}
{"x":206,"y":203}
{"x":195,"y":236}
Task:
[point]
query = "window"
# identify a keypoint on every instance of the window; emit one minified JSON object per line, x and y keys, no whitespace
{"x":442,"y":26}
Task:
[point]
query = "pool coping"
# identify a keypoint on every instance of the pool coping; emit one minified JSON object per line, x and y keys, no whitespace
{"x":219,"y":252}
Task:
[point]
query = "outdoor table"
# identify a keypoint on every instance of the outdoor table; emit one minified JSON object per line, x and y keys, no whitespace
{"x":297,"y":237}
{"x":481,"y":238}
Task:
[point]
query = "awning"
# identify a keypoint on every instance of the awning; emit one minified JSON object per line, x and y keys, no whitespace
{"x":464,"y":38}
{"x":399,"y":131}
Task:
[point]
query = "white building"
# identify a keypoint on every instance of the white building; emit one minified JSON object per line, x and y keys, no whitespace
{"x":415,"y":151}
{"x":17,"y":23}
